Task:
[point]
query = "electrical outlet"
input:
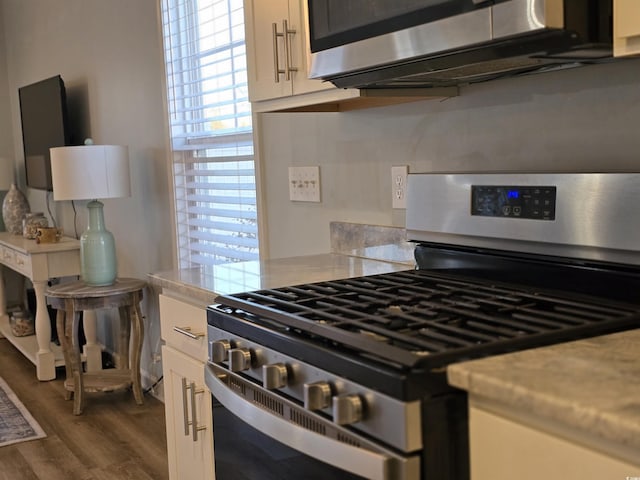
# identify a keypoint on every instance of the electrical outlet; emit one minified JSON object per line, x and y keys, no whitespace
{"x":304,"y":184}
{"x":399,"y":186}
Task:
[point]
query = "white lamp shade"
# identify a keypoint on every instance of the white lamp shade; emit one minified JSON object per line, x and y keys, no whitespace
{"x":6,"y":173}
{"x":90,"y":172}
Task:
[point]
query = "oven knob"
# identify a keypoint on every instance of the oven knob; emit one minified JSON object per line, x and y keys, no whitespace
{"x":220,"y":350}
{"x":347,"y":409}
{"x":317,"y":395}
{"x":239,"y":359}
{"x":274,"y":376}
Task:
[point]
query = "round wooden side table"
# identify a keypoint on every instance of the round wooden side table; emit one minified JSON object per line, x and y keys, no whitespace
{"x":72,"y":298}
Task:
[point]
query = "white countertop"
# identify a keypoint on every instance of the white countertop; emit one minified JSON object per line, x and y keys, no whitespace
{"x":206,"y":283}
{"x":590,"y":385}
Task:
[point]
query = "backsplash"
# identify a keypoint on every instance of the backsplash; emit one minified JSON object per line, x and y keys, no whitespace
{"x":578,"y":120}
{"x":371,"y":241}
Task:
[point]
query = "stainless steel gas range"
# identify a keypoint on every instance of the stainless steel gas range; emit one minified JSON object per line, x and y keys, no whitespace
{"x":347,"y":378}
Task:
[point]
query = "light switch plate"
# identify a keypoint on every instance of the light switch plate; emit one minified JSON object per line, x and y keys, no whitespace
{"x":304,"y":184}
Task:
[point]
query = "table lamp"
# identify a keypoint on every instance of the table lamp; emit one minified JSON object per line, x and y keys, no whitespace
{"x":90,"y":172}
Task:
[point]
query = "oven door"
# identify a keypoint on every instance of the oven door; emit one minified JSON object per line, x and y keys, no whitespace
{"x":259,"y":436}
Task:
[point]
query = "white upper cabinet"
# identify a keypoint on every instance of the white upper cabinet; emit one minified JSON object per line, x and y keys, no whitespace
{"x":278,"y":57}
{"x":277,"y":50}
{"x":626,"y":27}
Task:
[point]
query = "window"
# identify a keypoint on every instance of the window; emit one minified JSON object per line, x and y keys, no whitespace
{"x":211,"y":131}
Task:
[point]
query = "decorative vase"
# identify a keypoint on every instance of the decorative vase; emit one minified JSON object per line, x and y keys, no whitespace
{"x":2,"y":195}
{"x":14,"y":207}
{"x":97,"y":250}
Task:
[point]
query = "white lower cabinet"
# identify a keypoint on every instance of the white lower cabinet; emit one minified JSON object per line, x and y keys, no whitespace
{"x":505,"y":449}
{"x":626,"y":28}
{"x":187,"y":399}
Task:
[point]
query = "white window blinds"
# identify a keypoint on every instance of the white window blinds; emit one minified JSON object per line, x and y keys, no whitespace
{"x":211,"y":131}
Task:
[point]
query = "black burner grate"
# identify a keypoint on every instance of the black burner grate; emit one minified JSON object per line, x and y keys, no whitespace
{"x":420,"y":318}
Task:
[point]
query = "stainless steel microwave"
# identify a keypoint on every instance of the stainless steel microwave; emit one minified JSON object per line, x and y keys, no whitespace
{"x":409,"y":43}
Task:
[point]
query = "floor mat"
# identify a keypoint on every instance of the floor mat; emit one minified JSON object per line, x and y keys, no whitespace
{"x":16,"y":423}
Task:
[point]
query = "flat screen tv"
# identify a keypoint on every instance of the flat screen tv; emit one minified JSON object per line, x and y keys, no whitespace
{"x":45,"y":124}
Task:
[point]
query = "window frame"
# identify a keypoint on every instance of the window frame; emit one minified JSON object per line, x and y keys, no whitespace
{"x":177,"y":166}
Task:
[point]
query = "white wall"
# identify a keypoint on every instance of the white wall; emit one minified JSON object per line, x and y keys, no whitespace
{"x":6,"y":138}
{"x":13,"y":291}
{"x":110,"y":57}
{"x":575,"y":120}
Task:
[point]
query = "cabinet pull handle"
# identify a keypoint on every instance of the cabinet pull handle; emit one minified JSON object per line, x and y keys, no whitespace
{"x":286,"y":38}
{"x":287,"y":33}
{"x":187,"y":332}
{"x":194,"y":423}
{"x":185,"y":409}
{"x":276,"y":60}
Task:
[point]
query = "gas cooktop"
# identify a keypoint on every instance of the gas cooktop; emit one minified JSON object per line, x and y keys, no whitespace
{"x":424,"y":319}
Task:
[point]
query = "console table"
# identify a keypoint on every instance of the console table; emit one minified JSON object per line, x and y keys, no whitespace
{"x":38,"y":263}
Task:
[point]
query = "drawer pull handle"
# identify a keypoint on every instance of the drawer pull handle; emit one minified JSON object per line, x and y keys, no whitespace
{"x":187,"y":332}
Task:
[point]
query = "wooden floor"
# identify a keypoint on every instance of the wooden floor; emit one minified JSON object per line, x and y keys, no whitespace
{"x":113,"y":439}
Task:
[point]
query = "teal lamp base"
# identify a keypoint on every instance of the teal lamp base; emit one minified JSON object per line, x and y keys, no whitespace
{"x":97,"y":250}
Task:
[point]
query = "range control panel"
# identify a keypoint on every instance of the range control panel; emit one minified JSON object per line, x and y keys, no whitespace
{"x":531,"y":202}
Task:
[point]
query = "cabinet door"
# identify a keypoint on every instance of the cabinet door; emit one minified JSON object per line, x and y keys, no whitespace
{"x":626,"y":27}
{"x":189,"y":458}
{"x":260,"y":16}
{"x":301,"y":50}
{"x":270,"y":49}
{"x":503,"y":449}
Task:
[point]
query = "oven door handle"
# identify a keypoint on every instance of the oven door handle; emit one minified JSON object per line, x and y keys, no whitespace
{"x":366,"y":463}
